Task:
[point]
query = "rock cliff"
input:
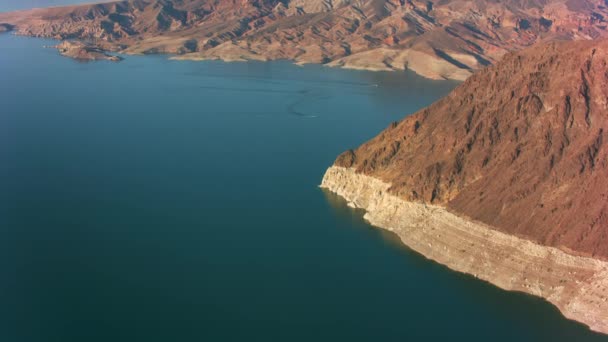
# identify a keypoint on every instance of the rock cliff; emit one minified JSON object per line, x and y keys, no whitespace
{"x":504,"y":178}
{"x":519,"y":146}
{"x":577,"y":285}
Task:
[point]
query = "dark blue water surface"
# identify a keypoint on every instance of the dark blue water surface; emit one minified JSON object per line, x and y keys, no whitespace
{"x":156,"y":200}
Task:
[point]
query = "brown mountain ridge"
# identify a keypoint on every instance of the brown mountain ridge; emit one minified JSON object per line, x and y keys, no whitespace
{"x":505,"y":179}
{"x":520,"y":146}
{"x":437,"y":39}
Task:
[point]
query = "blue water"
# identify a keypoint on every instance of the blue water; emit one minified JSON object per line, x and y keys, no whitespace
{"x":155,"y":200}
{"x":14,"y":5}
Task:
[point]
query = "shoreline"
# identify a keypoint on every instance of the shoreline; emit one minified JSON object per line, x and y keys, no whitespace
{"x":420,"y":69}
{"x":576,"y":285}
{"x":425,"y":70}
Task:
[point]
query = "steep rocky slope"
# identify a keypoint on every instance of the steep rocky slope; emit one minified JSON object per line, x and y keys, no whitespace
{"x":520,"y":146}
{"x":505,"y":179}
{"x":437,"y":39}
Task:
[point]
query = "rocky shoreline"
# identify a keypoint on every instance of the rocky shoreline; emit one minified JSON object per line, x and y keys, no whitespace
{"x":577,"y":285}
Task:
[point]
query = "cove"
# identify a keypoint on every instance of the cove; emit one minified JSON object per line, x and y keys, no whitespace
{"x":155,"y":200}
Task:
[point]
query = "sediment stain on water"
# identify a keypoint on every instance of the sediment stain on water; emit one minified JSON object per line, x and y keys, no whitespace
{"x":150,"y":200}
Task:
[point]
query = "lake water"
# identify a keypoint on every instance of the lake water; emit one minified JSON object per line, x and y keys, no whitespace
{"x":156,"y":200}
{"x":14,"y":5}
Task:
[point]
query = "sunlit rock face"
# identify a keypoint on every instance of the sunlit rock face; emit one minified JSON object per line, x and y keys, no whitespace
{"x":520,"y":146}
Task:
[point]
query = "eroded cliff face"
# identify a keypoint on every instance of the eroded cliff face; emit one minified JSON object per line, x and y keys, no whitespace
{"x":577,"y":285}
{"x":437,"y":39}
{"x":520,"y":146}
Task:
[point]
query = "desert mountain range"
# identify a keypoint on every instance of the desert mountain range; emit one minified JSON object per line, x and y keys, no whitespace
{"x":447,"y":39}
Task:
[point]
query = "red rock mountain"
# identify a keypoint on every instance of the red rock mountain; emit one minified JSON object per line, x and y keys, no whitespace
{"x":437,"y":39}
{"x":521,"y":146}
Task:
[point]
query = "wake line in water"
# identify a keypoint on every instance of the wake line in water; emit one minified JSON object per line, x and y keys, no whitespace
{"x":282,"y":80}
{"x":235,"y":77}
{"x":253,"y":90}
{"x":293,"y":107}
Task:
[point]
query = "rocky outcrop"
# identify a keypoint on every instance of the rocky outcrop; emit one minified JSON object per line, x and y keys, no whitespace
{"x":6,"y":28}
{"x":438,"y":39}
{"x":84,"y":52}
{"x":578,"y":286}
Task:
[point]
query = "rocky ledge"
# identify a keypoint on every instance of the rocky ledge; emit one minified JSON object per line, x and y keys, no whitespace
{"x":577,"y":285}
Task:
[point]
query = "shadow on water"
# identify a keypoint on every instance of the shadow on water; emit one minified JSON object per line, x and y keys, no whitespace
{"x":470,"y":288}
